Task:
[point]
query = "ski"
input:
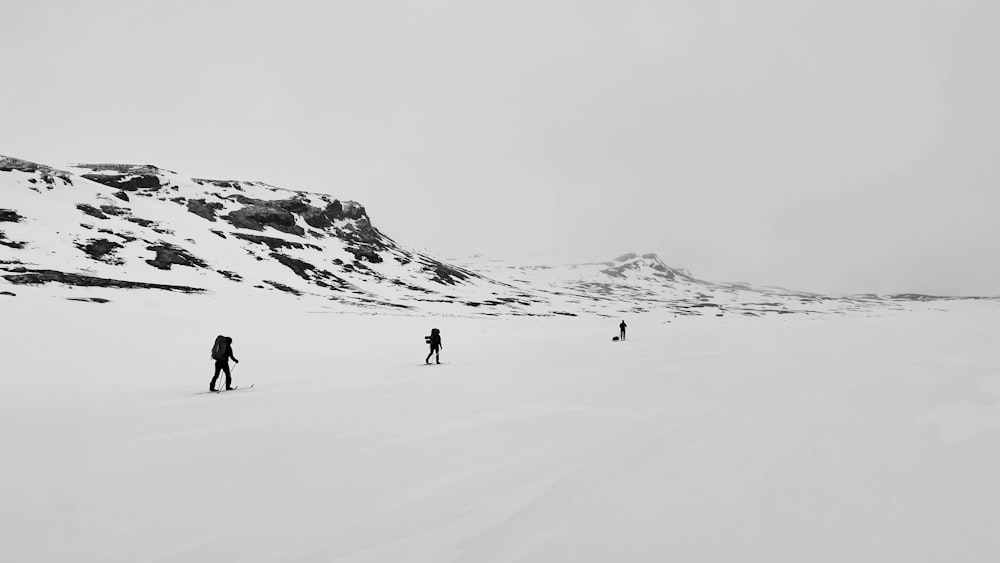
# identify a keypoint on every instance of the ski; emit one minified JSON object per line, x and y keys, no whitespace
{"x":237,"y":388}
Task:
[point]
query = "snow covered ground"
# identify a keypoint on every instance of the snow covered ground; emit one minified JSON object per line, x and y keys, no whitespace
{"x":860,"y":437}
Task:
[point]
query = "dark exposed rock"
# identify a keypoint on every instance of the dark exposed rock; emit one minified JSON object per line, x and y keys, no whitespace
{"x":91,"y":210}
{"x":219,"y":233}
{"x":204,"y":209}
{"x":141,"y":221}
{"x":112,"y":210}
{"x":120,"y":194}
{"x":308,"y":272}
{"x":365,"y":252}
{"x":89,"y":299}
{"x":275,"y":243}
{"x":293,"y":205}
{"x":281,"y":213}
{"x":9,"y":216}
{"x":317,"y":218}
{"x":34,"y":277}
{"x":102,"y":250}
{"x":300,"y":267}
{"x":12,"y":294}
{"x":443,"y":273}
{"x":256,"y":217}
{"x":231,"y":275}
{"x":283,"y":287}
{"x":123,"y":168}
{"x":323,"y":218}
{"x":125,"y":238}
{"x":16,"y":245}
{"x":47,"y":173}
{"x":233,"y":184}
{"x":127,"y":182}
{"x":168,"y":254}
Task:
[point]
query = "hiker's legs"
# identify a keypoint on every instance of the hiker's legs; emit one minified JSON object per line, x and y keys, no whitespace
{"x":623,"y":334}
{"x":218,"y":368}
{"x":434,"y":351}
{"x":229,"y":376}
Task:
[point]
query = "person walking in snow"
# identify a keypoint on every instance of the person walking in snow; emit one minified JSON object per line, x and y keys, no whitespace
{"x":435,"y":341}
{"x":221,"y":352}
{"x":622,"y":327}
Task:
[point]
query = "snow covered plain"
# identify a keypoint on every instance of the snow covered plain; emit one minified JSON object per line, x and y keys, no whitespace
{"x":805,"y":438}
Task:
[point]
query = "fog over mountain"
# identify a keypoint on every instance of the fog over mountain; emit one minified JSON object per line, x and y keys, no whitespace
{"x":835,"y":147}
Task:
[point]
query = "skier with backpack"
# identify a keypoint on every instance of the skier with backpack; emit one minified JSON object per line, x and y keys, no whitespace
{"x":435,"y":341}
{"x":222,"y":351}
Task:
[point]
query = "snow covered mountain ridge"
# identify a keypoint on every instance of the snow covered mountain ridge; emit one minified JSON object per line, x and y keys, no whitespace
{"x":113,"y":227}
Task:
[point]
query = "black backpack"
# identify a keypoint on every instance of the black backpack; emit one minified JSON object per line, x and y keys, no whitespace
{"x":220,"y":350}
{"x":434,"y":336}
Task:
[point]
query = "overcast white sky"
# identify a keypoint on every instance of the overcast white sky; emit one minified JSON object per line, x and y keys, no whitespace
{"x":841,"y":146}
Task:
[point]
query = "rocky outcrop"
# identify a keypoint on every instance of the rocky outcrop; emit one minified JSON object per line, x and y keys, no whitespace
{"x":167,"y":255}
{"x":16,"y":245}
{"x":125,"y":183}
{"x":282,"y":214}
{"x":47,"y":174}
{"x":283,"y":287}
{"x":102,"y":250}
{"x":91,"y":210}
{"x":309,"y":272}
{"x":256,"y":217}
{"x":443,"y":273}
{"x":125,"y":177}
{"x":89,"y":299}
{"x":231,"y":184}
{"x":203,"y":209}
{"x":10,"y":216}
{"x":22,"y":276}
{"x":114,"y":210}
{"x":275,"y":243}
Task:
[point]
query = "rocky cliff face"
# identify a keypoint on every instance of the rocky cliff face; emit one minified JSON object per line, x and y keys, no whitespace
{"x":117,"y":225}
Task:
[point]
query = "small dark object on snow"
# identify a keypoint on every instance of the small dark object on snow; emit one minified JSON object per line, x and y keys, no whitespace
{"x":614,"y":339}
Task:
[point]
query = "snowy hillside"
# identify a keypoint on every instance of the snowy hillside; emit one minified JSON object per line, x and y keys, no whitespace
{"x":143,"y":227}
{"x":105,"y":228}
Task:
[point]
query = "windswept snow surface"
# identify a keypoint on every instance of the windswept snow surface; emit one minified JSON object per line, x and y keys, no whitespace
{"x":793,"y":438}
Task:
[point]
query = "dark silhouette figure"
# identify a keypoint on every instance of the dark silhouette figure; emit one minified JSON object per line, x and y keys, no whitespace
{"x":221,"y":352}
{"x":622,"y":327}
{"x":435,"y":341}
